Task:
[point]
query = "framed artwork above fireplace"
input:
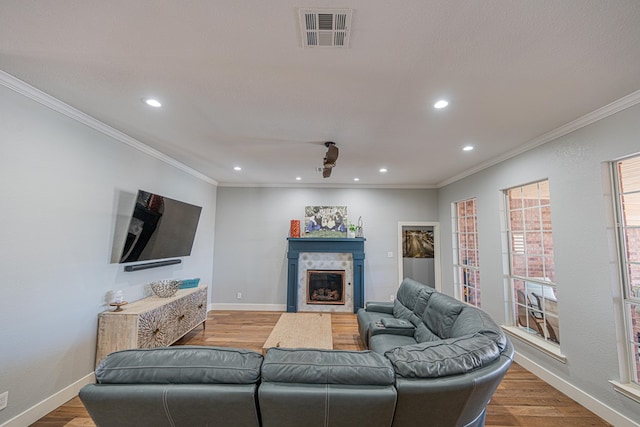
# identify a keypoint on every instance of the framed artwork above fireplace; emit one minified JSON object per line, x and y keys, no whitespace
{"x":325,"y":221}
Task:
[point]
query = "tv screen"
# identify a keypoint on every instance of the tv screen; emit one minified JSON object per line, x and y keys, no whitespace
{"x":160,"y":227}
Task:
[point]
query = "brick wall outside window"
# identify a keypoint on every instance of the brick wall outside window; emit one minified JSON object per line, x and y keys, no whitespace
{"x":532,"y":267}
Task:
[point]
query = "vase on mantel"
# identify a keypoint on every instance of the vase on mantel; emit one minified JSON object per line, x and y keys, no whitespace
{"x":294,"y":229}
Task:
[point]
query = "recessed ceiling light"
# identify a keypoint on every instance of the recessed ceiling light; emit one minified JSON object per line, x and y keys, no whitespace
{"x":356,"y":179}
{"x":152,"y":102}
{"x":298,"y":178}
{"x":441,"y":104}
{"x":467,"y":148}
{"x":237,"y":168}
{"x":383,"y":170}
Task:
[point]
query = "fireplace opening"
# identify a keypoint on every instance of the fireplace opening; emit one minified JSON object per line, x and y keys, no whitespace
{"x":325,"y":287}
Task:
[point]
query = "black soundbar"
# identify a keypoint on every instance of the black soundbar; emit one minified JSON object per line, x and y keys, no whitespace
{"x":137,"y":267}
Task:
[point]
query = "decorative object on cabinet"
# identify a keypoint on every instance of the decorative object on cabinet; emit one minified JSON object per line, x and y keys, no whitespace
{"x":165,"y":288}
{"x":189,"y":283}
{"x":151,"y":322}
{"x":118,"y":305}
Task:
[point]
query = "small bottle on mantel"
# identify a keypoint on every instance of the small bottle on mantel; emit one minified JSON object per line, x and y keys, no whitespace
{"x":119,"y":297}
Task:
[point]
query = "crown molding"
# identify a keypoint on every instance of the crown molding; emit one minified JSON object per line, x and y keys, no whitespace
{"x":332,"y":186}
{"x":589,"y":118}
{"x":55,"y":104}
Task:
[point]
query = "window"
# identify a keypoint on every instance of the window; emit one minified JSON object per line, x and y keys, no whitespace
{"x":465,"y":244}
{"x":531,"y":264}
{"x":627,"y":190}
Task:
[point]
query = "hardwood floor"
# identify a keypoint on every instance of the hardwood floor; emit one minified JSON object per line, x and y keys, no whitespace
{"x":521,"y":400}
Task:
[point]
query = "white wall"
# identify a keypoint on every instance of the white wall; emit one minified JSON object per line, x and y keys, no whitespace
{"x":60,"y":185}
{"x":252,"y":225}
{"x":586,"y":286}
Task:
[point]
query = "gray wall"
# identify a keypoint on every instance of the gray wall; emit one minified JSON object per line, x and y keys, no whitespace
{"x":61,"y":183}
{"x":587,"y":284}
{"x":252,"y":225}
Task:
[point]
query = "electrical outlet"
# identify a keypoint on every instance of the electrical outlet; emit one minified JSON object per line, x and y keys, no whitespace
{"x":389,"y":254}
{"x":392,"y":298}
{"x":239,"y":295}
{"x":4,"y":400}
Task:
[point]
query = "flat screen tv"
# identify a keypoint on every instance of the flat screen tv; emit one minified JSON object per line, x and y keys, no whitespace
{"x":159,"y":228}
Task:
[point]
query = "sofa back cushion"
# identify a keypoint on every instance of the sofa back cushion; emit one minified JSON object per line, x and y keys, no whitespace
{"x":424,"y":334}
{"x":411,"y":299}
{"x":441,"y":313}
{"x":444,"y":357}
{"x":472,"y":320}
{"x":304,"y":366}
{"x":180,"y":365}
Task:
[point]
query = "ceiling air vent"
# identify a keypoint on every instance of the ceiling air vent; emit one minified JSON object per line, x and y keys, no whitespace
{"x":325,"y":27}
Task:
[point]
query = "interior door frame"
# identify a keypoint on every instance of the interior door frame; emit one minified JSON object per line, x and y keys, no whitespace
{"x":436,"y":249}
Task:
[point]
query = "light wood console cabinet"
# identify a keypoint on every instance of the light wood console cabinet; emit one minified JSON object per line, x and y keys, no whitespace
{"x":151,"y":322}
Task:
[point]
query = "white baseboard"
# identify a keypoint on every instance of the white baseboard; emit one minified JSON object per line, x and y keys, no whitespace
{"x":605,"y":412}
{"x":41,"y":409}
{"x":248,"y":307}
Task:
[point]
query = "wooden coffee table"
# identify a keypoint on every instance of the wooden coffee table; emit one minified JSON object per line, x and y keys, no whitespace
{"x":301,"y":330}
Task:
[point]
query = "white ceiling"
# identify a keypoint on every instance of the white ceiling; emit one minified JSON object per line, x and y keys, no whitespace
{"x":238,"y":89}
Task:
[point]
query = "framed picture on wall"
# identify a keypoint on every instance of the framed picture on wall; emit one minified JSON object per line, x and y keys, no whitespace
{"x":325,"y":221}
{"x":419,"y":252}
{"x":417,"y":243}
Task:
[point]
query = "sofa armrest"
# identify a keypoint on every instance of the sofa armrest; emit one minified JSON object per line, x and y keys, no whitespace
{"x":452,"y":356}
{"x":379,"y":307}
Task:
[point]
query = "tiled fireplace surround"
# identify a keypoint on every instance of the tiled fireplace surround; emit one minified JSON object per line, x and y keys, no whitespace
{"x":325,"y":254}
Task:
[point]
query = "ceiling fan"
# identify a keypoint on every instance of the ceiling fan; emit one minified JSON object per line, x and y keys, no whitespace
{"x":329,"y":158}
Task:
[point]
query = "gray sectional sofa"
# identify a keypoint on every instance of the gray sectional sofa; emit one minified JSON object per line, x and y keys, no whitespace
{"x":191,"y":386}
{"x":433,"y":361}
{"x":448,"y":356}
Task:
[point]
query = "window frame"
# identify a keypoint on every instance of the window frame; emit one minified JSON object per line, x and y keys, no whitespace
{"x":627,"y":300}
{"x":463,"y":270}
{"x":523,"y":307}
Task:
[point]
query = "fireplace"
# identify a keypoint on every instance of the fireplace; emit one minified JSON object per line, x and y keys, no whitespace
{"x":311,"y":253}
{"x":325,"y":287}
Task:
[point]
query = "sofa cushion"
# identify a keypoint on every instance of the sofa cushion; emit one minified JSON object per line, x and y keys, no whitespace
{"x":472,"y":320}
{"x":421,"y":302}
{"x":408,"y":292}
{"x":381,"y":343}
{"x":326,"y":367}
{"x":411,"y":294}
{"x":424,"y":334}
{"x":441,"y":313}
{"x":443,"y":358}
{"x":180,"y":365}
{"x":400,"y":311}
